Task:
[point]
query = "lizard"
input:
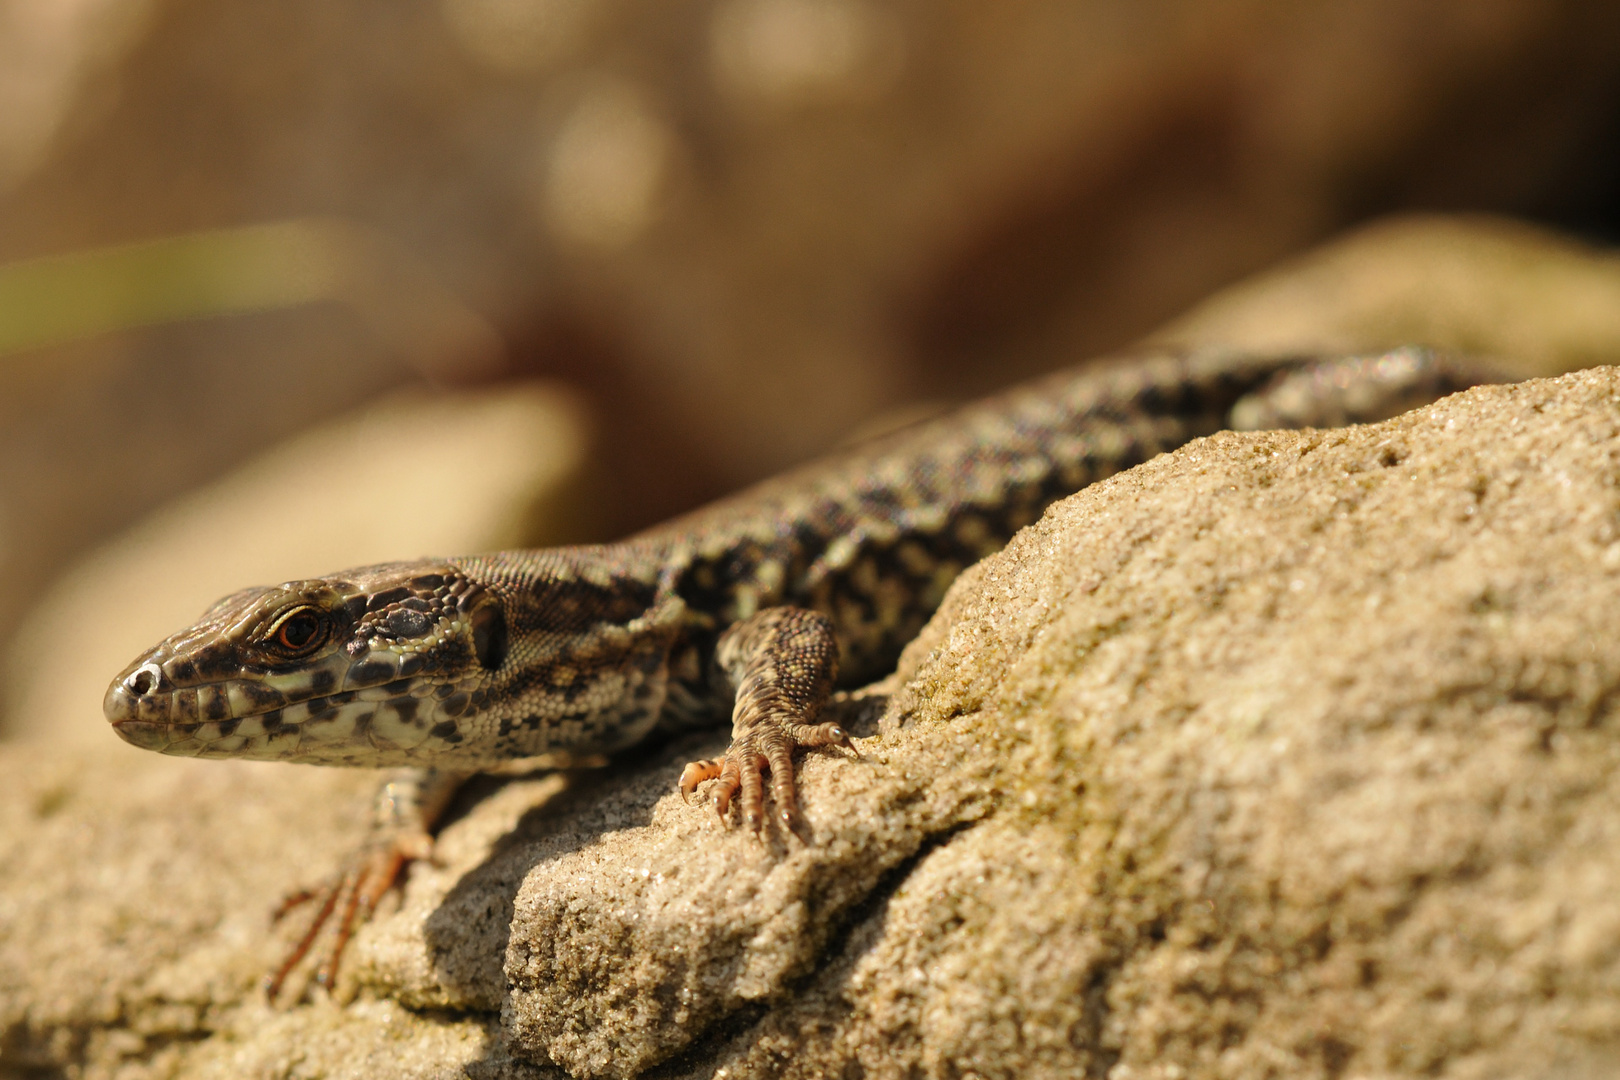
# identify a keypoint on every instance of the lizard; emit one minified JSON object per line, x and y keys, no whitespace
{"x":754,"y":608}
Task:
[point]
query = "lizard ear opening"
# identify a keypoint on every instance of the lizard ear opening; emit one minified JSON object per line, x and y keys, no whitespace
{"x":489,"y":634}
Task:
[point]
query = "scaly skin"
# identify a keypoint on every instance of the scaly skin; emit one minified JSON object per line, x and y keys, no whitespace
{"x":753,"y":606}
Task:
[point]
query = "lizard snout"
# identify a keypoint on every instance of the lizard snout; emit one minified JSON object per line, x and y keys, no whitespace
{"x":142,"y":695}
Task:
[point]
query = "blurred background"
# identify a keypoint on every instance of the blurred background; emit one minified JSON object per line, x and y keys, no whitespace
{"x":290,"y":286}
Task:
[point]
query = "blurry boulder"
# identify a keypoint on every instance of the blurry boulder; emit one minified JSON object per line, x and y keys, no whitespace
{"x":742,"y":225}
{"x":409,"y":476}
{"x":1535,"y":300}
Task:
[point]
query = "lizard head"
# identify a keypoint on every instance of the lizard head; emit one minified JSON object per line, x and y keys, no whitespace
{"x":369,"y":666}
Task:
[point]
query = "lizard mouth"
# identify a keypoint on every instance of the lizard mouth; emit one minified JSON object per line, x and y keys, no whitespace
{"x":303,"y":715}
{"x":143,"y":733}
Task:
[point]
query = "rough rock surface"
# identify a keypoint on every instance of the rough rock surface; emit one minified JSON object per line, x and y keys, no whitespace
{"x":1288,"y":754}
{"x":1285,"y":755}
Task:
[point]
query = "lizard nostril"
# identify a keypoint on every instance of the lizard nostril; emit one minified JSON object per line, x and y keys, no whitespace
{"x":141,"y":682}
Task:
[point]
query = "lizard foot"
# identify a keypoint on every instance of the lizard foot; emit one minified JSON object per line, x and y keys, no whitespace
{"x":782,"y":662}
{"x":407,"y":805}
{"x":343,"y":903}
{"x":743,"y":766}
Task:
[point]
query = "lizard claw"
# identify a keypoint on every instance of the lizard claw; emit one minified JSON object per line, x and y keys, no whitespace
{"x":695,"y":773}
{"x":740,"y":774}
{"x":701,"y":772}
{"x":828,"y":734}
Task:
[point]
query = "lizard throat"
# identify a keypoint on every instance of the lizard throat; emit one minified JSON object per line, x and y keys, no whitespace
{"x":345,"y":728}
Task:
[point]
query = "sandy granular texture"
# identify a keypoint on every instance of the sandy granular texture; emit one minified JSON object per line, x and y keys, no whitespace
{"x":1309,"y":757}
{"x":1302,"y":751}
{"x":1285,"y":755}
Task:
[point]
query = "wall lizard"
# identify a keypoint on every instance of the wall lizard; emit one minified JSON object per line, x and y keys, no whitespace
{"x":754,"y":608}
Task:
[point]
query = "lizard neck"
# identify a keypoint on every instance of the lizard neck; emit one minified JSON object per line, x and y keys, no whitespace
{"x":589,"y":634}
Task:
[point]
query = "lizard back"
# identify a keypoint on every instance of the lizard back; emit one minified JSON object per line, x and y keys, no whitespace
{"x":873,"y":536}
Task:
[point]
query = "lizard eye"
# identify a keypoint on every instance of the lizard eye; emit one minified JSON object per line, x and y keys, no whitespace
{"x":298,"y":631}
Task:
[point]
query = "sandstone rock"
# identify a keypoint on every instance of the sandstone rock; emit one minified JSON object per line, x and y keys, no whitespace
{"x":1284,"y":755}
{"x":1288,"y":754}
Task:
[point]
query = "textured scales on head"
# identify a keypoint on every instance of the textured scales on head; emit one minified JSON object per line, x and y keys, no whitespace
{"x":376,"y":663}
{"x":456,"y":663}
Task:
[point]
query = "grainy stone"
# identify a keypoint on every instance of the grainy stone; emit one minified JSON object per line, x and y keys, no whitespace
{"x":1285,"y":755}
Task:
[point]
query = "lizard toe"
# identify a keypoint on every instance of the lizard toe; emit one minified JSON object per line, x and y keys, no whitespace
{"x":344,"y":903}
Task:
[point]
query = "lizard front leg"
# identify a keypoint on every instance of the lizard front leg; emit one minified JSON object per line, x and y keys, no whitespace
{"x":408,"y":805}
{"x":782,"y":662}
